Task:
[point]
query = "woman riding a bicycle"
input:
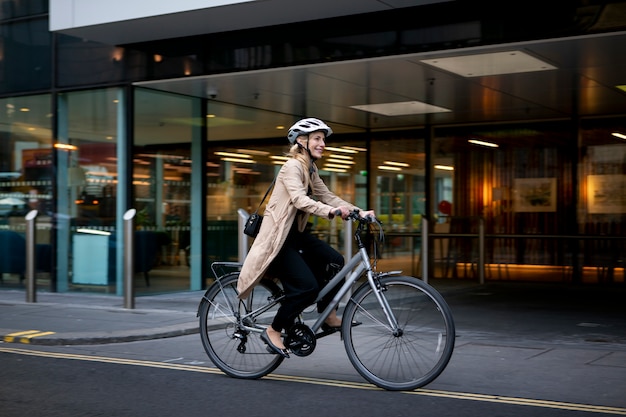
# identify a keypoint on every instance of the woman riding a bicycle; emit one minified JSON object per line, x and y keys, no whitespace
{"x":284,"y":248}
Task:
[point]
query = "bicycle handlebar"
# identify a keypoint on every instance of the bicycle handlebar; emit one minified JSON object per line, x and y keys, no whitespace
{"x":354,"y":215}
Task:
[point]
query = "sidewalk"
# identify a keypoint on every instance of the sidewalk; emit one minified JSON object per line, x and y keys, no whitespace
{"x":78,"y":318}
{"x":555,"y":312}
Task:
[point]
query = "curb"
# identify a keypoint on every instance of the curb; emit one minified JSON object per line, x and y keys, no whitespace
{"x":84,"y":338}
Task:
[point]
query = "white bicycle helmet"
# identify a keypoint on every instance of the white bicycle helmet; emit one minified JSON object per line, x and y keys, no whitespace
{"x":306,"y":126}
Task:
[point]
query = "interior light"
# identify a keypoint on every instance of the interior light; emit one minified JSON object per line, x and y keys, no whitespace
{"x":65,"y":147}
{"x":340,"y":161}
{"x":334,"y":169}
{"x":397,"y":164}
{"x":344,"y":150}
{"x":619,"y":135}
{"x":483,"y":143}
{"x":444,"y":167}
{"x":336,"y":166}
{"x":232,"y":154}
{"x":93,"y":232}
{"x":388,"y":168}
{"x":253,"y":152}
{"x":245,"y":161}
{"x":340,"y":156}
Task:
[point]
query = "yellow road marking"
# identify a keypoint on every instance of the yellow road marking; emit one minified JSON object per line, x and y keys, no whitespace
{"x":334,"y":383}
{"x":24,"y":336}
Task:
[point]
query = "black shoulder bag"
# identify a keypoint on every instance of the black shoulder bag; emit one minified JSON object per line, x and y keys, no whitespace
{"x":253,"y":224}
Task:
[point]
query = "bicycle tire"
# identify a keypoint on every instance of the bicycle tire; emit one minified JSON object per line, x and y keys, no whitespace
{"x":235,"y":351}
{"x":403,"y":361}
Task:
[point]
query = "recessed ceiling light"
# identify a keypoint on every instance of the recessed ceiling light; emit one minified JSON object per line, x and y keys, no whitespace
{"x":397,"y":164}
{"x":621,"y":87}
{"x":444,"y":167}
{"x":483,"y":143}
{"x":402,"y":108}
{"x":232,"y":154}
{"x":497,"y":63}
{"x":388,"y":168}
{"x":344,"y":150}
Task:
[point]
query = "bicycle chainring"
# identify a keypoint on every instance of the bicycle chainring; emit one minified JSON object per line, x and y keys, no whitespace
{"x":300,"y":340}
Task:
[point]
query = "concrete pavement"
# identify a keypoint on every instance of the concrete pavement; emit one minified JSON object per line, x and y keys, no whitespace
{"x":557,"y":313}
{"x":78,"y":318}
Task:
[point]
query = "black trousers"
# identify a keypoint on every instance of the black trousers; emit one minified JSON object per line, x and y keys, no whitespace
{"x":302,"y":266}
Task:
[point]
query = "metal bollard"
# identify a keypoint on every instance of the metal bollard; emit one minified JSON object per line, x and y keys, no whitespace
{"x":424,"y":249}
{"x":481,"y":250}
{"x":129,"y":257}
{"x":31,"y":284}
{"x":243,"y":238}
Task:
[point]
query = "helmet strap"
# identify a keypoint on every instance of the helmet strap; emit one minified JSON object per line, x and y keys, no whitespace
{"x":307,"y":148}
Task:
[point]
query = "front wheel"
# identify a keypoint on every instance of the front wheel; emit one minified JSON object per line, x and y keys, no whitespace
{"x":413,"y":354}
{"x":225,"y":323}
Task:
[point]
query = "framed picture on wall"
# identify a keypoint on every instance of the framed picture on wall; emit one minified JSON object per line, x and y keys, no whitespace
{"x":606,"y":194}
{"x":534,"y":195}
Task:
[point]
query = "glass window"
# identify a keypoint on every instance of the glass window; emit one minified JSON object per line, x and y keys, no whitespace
{"x":602,"y":204}
{"x":87,"y":178}
{"x":162,"y":184}
{"x":25,"y":181}
{"x":518,"y":180}
{"x":25,"y":56}
{"x":397,"y":163}
{"x":10,"y":9}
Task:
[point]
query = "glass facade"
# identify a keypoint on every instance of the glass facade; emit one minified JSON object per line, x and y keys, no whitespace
{"x":80,"y":144}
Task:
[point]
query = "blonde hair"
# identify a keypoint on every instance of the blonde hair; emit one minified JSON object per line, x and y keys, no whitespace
{"x":298,"y":152}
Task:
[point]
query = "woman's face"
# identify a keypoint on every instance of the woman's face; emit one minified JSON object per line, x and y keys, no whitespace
{"x":316,"y":144}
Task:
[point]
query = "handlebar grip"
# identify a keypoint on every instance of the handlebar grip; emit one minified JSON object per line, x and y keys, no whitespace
{"x":337,"y":212}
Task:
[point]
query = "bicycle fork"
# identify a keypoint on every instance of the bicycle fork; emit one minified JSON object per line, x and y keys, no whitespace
{"x":374,"y":282}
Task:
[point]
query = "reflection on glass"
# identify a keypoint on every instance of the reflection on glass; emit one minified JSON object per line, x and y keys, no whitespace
{"x":162,"y":164}
{"x":25,"y":184}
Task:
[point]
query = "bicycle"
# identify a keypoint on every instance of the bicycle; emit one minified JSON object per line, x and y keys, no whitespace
{"x":404,"y":333}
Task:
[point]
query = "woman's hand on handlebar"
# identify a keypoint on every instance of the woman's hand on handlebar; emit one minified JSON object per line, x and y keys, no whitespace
{"x":342,"y":211}
{"x":369,"y":214}
{"x":346,"y":213}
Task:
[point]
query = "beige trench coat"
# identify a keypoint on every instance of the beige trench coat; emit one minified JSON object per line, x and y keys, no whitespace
{"x":288,"y":200}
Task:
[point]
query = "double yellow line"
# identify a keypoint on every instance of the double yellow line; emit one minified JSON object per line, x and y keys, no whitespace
{"x":24,"y":336}
{"x":529,"y":402}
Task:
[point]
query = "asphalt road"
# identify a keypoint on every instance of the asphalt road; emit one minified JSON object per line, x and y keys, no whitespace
{"x":520,"y":350}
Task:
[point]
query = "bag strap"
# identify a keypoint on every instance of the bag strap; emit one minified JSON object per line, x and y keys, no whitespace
{"x":266,"y":193}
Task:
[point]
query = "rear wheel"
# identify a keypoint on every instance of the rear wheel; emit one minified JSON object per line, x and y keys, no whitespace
{"x":408,"y":357}
{"x":235,"y":350}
